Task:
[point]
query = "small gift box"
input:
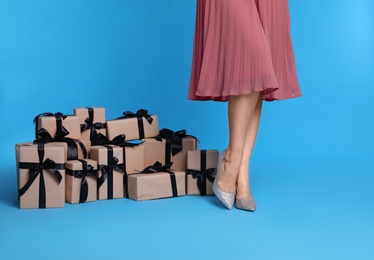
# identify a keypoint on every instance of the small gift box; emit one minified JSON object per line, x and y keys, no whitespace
{"x":40,"y":176}
{"x":135,"y":126}
{"x":168,"y":147}
{"x":92,"y":121}
{"x":201,"y":166}
{"x":157,"y":182}
{"x":81,"y":181}
{"x":133,"y":161}
{"x":58,"y":125}
{"x":132,"y":155}
{"x":110,"y":183}
{"x":132,"y":151}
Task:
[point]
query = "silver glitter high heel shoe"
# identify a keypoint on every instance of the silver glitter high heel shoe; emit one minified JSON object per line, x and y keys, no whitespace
{"x":227,"y":198}
{"x":249,"y":205}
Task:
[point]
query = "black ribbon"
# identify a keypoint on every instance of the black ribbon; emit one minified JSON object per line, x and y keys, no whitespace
{"x":107,"y":171}
{"x":175,"y":139}
{"x":119,"y":140}
{"x":125,"y":175}
{"x":158,"y":167}
{"x":168,"y":148}
{"x":139,"y":115}
{"x":61,"y":130}
{"x":203,"y":174}
{"x":37,"y":169}
{"x":90,"y":125}
{"x":87,"y":170}
{"x":72,"y":153}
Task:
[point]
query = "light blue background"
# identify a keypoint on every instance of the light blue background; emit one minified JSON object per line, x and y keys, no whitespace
{"x":311,"y":170}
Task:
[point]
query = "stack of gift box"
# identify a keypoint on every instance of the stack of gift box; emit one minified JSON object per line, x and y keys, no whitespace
{"x":84,"y":157}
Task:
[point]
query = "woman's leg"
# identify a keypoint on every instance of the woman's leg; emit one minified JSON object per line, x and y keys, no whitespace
{"x":243,"y":190}
{"x":240,"y":112}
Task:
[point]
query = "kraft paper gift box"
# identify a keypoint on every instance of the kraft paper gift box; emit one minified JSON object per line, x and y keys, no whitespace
{"x":92,"y":121}
{"x":157,"y":185}
{"x":58,"y":125}
{"x":31,"y":144}
{"x":161,"y":151}
{"x":81,"y":181}
{"x":110,"y":183}
{"x":133,"y":162}
{"x":132,"y":152}
{"x":134,"y":126}
{"x":201,"y":166}
{"x":40,"y":176}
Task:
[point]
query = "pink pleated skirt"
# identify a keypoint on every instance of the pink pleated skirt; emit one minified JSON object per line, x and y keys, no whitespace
{"x":240,"y":47}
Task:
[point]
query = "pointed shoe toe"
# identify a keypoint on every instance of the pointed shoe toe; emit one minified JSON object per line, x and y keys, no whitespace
{"x":248,"y":205}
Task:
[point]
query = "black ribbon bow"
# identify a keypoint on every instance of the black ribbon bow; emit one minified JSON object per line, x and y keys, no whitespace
{"x":37,"y":169}
{"x":175,"y":139}
{"x":139,"y":115}
{"x":99,"y":139}
{"x":90,"y":125}
{"x":201,"y":177}
{"x":119,"y":140}
{"x":158,"y":167}
{"x":72,"y":153}
{"x":203,"y":174}
{"x":61,"y":131}
{"x":87,"y":170}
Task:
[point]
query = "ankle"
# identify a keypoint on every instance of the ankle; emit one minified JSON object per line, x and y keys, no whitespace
{"x":233,"y":158}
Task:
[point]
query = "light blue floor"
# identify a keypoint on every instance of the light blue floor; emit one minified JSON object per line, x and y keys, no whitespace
{"x":304,"y":212}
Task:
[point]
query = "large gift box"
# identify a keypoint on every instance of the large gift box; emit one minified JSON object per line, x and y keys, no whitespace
{"x":110,"y":183}
{"x":135,"y":126}
{"x":167,"y":148}
{"x":58,"y":125}
{"x":92,"y":121}
{"x":40,"y":175}
{"x":201,"y":166}
{"x":81,"y":181}
{"x":156,"y":182}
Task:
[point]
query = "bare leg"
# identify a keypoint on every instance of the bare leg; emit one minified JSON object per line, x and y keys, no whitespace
{"x":240,"y":112}
{"x":243,"y":190}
